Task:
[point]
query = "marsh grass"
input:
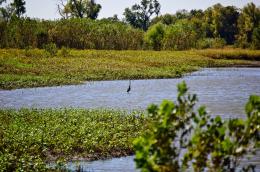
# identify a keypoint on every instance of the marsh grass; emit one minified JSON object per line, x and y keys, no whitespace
{"x":35,"y":68}
{"x":34,"y":136}
{"x":230,"y":53}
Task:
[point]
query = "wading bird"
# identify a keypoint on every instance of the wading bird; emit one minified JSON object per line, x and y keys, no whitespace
{"x":129,"y":88}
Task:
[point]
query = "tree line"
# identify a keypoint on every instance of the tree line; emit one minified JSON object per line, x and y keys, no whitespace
{"x":142,"y":27}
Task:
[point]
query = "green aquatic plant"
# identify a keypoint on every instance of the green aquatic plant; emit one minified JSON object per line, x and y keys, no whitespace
{"x":31,"y":138}
{"x":181,"y":138}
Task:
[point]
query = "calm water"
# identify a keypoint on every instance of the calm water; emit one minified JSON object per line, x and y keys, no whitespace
{"x":223,"y":90}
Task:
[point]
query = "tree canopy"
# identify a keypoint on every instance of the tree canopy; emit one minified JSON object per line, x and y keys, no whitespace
{"x":248,"y":24}
{"x":18,"y":7}
{"x":215,"y":27}
{"x":79,"y":9}
{"x":139,"y":15}
{"x":15,"y":8}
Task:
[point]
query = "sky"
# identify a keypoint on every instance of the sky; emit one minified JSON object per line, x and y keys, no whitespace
{"x":47,"y":9}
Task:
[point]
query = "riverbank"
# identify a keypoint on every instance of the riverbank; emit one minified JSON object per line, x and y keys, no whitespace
{"x":41,"y":136}
{"x":36,"y":68}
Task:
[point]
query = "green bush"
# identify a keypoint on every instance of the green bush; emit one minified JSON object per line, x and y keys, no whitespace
{"x":218,"y":43}
{"x":89,"y":34}
{"x":155,"y":35}
{"x":41,"y":38}
{"x":180,"y":36}
{"x":64,"y":51}
{"x":210,"y":43}
{"x":181,"y":138}
{"x":51,"y":49}
{"x":28,"y":52}
{"x":256,"y":39}
{"x":72,"y":33}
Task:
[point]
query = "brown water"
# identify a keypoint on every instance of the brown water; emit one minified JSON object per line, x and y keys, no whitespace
{"x":223,"y":90}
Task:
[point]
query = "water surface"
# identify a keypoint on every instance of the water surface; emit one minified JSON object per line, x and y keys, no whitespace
{"x":223,"y":90}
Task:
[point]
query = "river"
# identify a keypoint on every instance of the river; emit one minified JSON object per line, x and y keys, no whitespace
{"x":223,"y":90}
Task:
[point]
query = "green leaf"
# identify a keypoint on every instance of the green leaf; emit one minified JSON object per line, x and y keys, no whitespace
{"x":182,"y":88}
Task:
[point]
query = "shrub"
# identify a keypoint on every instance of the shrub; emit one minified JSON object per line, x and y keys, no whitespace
{"x":89,"y":34}
{"x":51,"y":49}
{"x":64,"y":51}
{"x":210,"y":43}
{"x":218,"y":43}
{"x":42,"y":39}
{"x":27,"y":51}
{"x":72,"y":33}
{"x":181,"y":138}
{"x":180,"y":36}
{"x":256,"y":38}
{"x":155,"y":35}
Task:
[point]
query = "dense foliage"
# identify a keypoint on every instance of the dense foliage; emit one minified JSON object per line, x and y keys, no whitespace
{"x":73,"y":33}
{"x":229,"y":24}
{"x":248,"y":26}
{"x":215,"y":27}
{"x":182,"y":139}
{"x":15,"y":9}
{"x":139,"y":15}
{"x":79,"y":9}
{"x":29,"y":139}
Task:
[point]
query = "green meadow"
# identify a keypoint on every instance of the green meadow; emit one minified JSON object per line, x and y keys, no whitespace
{"x":36,"y":68}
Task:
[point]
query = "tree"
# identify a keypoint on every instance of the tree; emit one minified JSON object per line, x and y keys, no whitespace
{"x":140,"y":14}
{"x":114,"y":18}
{"x":79,"y":9}
{"x":249,"y":19}
{"x":18,"y":7}
{"x":222,"y":22}
{"x":182,"y":14}
{"x":256,"y":38}
{"x":229,"y":24}
{"x":155,"y":35}
{"x":196,"y":13}
{"x":166,"y":19}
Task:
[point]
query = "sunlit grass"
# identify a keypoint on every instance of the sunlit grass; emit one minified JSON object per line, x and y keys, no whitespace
{"x":40,"y":136}
{"x":231,"y":53}
{"x":34,"y":68}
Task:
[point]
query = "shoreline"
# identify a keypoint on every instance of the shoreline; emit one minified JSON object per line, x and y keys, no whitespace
{"x":256,"y":65}
{"x":18,"y":70}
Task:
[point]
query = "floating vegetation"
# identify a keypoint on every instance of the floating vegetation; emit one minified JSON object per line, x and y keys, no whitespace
{"x":29,"y":139}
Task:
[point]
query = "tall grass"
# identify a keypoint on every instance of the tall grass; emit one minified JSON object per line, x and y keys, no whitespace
{"x":73,"y":33}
